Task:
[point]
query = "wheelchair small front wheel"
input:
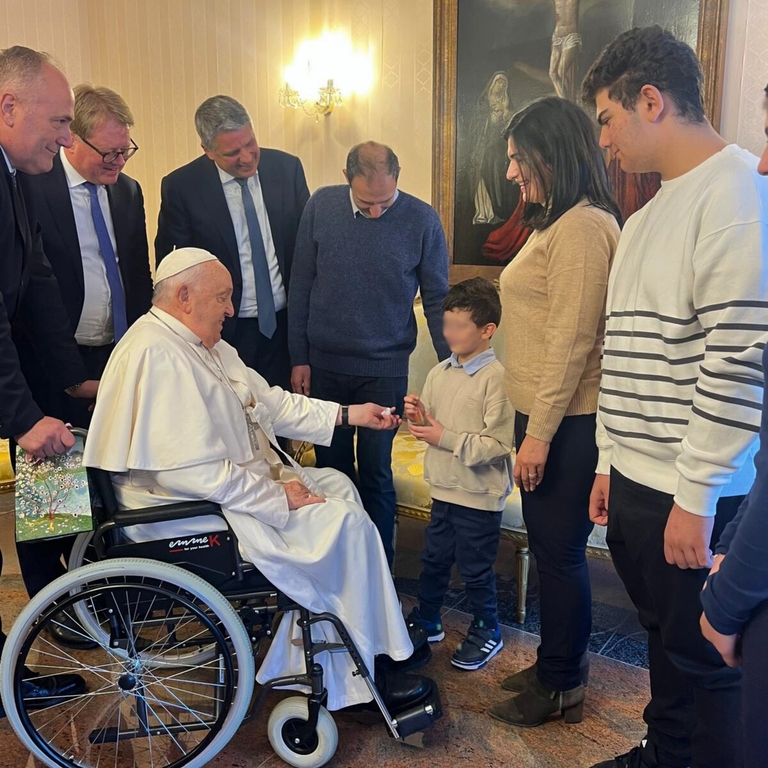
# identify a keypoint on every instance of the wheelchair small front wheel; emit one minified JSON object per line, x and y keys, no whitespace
{"x":285,"y":726}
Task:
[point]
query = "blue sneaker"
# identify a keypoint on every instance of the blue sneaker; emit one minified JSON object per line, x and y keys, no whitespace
{"x":434,"y":629}
{"x":481,"y":644}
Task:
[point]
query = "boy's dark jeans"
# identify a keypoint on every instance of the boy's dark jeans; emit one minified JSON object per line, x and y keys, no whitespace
{"x":470,"y":538}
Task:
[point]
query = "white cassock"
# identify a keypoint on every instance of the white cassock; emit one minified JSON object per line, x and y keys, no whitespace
{"x":172,"y":424}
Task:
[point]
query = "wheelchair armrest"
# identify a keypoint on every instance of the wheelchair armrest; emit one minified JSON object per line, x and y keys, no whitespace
{"x":165,"y":513}
{"x":161,"y":514}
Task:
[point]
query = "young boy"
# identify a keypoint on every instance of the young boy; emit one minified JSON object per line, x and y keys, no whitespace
{"x":466,"y":419}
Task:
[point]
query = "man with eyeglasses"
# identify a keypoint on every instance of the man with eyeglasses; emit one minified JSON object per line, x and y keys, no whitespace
{"x":93,"y":228}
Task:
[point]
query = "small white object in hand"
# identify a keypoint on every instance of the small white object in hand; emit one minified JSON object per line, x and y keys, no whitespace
{"x":386,"y":412}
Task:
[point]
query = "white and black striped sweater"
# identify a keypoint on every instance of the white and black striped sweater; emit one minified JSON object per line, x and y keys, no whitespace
{"x":687,"y":319}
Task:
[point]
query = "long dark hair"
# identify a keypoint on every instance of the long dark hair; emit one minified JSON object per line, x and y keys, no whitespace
{"x":556,"y":144}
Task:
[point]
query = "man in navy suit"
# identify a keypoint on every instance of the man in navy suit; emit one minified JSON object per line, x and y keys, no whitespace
{"x":93,"y":228}
{"x":35,"y":116}
{"x":243,"y":204}
{"x":99,"y":253}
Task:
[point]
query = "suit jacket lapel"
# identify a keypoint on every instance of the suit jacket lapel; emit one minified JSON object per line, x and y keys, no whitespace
{"x":271,"y":189}
{"x":213,"y":199}
{"x":57,"y":198}
{"x":116,"y":198}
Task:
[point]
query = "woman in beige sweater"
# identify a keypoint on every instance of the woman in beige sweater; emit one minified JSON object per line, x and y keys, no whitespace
{"x":553,"y":295}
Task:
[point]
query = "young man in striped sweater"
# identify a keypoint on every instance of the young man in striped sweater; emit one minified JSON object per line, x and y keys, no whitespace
{"x":679,"y":408}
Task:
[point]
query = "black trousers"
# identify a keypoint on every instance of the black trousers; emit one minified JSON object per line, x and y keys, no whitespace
{"x":269,"y":357}
{"x":374,"y":448}
{"x":694,"y":716}
{"x":754,"y":668}
{"x":41,"y":562}
{"x":556,"y":518}
{"x":470,"y":538}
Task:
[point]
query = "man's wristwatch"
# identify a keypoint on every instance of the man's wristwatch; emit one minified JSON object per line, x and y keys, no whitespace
{"x":345,"y":417}
{"x":71,"y":390}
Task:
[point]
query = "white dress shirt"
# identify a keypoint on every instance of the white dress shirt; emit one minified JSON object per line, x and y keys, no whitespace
{"x":11,"y":169}
{"x":95,"y":327}
{"x":356,"y":210}
{"x":234,"y":195}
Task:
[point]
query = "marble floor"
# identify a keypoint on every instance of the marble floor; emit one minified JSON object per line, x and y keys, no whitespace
{"x":465,"y":736}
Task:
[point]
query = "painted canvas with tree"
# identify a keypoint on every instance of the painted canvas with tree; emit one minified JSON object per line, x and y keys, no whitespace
{"x":52,"y":496}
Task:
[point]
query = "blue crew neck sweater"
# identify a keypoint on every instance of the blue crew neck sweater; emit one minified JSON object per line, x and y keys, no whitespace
{"x":353,"y":282}
{"x":741,"y":584}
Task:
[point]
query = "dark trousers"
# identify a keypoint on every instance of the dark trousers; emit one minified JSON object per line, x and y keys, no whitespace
{"x":374,"y":448}
{"x":694,"y":716}
{"x":269,"y":357}
{"x":470,"y":538}
{"x":557,"y":521}
{"x":40,"y":561}
{"x":754,"y":668}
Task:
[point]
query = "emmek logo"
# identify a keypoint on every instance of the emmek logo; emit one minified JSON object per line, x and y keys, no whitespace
{"x":195,"y":542}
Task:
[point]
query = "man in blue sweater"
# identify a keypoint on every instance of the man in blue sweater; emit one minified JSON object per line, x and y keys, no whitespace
{"x":362,"y":252}
{"x":735,"y":598}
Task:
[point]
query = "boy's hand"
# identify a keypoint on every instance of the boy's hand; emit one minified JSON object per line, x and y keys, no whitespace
{"x":411,"y":408}
{"x":431,"y":434}
{"x":414,"y":411}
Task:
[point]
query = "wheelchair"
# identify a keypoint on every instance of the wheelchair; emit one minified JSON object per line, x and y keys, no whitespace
{"x":177,"y":625}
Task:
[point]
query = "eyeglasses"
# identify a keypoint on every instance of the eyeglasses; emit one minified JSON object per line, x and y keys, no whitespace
{"x":113,"y":154}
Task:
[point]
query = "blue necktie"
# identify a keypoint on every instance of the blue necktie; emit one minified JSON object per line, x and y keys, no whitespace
{"x":264,"y":297}
{"x":119,"y":317}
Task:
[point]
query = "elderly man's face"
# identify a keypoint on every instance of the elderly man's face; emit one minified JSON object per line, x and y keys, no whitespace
{"x":236,"y":152}
{"x":108,"y":135}
{"x":39,"y":121}
{"x":209,"y":303}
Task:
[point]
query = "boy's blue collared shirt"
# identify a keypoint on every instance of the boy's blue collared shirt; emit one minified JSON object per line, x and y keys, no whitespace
{"x":475,"y":364}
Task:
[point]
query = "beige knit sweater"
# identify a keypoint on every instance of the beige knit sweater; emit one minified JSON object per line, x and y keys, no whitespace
{"x":472,"y":466}
{"x":553,"y":299}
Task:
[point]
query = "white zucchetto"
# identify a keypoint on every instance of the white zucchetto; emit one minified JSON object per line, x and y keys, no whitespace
{"x":180,"y":260}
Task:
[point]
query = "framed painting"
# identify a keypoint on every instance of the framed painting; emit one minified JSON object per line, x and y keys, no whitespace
{"x":492,"y":58}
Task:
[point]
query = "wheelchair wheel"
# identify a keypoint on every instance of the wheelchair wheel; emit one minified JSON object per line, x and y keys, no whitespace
{"x":131,"y":712}
{"x":285,"y":723}
{"x":83,"y":554}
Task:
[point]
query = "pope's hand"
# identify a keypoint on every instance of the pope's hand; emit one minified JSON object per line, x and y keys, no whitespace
{"x":301,"y":376}
{"x":87,"y":390}
{"x":299,"y":495}
{"x":373,"y":416}
{"x":46,"y":438}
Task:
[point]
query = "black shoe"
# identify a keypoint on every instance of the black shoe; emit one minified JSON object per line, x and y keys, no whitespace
{"x":419,"y":627}
{"x":536,"y":704}
{"x":400,"y":691}
{"x":480,"y":645}
{"x":518,"y":682}
{"x":66,"y":631}
{"x":40,"y":692}
{"x":637,"y":757}
{"x":420,"y":657}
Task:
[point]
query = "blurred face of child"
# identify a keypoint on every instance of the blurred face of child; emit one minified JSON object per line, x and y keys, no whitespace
{"x":464,"y":338}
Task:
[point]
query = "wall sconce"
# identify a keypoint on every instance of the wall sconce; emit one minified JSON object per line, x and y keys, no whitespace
{"x":325,"y":70}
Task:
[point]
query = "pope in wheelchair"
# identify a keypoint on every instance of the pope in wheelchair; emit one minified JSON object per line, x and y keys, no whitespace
{"x":179,"y":418}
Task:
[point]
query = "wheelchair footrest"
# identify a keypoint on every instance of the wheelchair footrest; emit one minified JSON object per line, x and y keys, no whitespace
{"x":421,"y":716}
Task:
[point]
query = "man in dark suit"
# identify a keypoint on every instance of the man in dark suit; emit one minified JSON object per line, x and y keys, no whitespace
{"x":35,"y":114}
{"x":91,"y":217}
{"x":101,"y":301}
{"x":243,"y":204}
